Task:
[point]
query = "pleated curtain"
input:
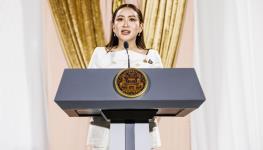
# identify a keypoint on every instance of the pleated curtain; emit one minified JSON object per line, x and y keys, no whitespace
{"x":80,"y":28}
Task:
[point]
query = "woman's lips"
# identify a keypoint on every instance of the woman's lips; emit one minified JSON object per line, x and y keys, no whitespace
{"x":125,"y":32}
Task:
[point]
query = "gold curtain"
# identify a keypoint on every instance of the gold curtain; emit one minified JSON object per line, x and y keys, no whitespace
{"x":162,"y":27}
{"x":116,"y":4}
{"x":80,"y":27}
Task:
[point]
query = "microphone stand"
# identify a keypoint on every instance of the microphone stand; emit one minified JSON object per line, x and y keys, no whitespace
{"x":126,"y":46}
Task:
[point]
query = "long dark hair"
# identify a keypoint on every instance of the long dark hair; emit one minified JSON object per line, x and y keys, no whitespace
{"x":114,"y":41}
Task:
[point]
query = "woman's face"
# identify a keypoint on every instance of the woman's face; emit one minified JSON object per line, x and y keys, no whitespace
{"x":127,"y":25}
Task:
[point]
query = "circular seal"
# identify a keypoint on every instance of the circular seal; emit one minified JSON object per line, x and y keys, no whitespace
{"x":131,"y":82}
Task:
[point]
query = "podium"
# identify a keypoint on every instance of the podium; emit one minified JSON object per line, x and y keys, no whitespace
{"x":91,"y":92}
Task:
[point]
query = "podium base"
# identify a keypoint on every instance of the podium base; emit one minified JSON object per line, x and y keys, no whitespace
{"x":130,"y":136}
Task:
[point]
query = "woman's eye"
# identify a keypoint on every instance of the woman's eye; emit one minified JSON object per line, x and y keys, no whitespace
{"x":119,"y":19}
{"x":133,"y":19}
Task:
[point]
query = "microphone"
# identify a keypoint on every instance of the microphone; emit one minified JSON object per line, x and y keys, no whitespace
{"x":126,"y":46}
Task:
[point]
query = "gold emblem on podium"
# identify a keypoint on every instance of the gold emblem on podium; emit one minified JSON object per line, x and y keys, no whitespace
{"x":131,"y":82}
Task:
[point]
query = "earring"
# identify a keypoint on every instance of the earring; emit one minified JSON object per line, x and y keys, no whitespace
{"x":139,"y":34}
{"x":114,"y":35}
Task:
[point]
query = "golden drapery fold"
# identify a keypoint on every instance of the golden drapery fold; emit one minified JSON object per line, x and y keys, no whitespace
{"x":162,"y":27}
{"x":116,"y":4}
{"x":80,"y":28}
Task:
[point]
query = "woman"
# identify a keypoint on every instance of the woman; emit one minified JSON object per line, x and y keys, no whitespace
{"x":127,"y":25}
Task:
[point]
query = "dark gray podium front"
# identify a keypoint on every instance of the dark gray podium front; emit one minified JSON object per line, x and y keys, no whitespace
{"x":90,"y":92}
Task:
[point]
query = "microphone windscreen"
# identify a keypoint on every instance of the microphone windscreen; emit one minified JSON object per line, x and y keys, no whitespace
{"x":126,"y":45}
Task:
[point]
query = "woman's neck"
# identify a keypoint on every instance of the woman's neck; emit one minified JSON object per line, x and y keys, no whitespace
{"x":132,"y":45}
